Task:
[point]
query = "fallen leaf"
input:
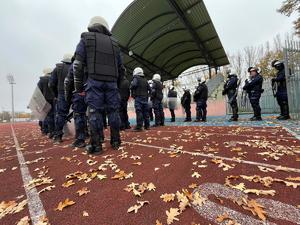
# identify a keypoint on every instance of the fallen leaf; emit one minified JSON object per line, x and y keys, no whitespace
{"x":61,"y":205}
{"x":135,"y":208}
{"x":167,"y":197}
{"x":83,"y":191}
{"x":68,"y":183}
{"x":24,"y":221}
{"x":172,"y":214}
{"x":196,"y":175}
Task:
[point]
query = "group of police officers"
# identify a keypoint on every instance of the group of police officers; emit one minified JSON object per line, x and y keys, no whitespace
{"x":93,"y":83}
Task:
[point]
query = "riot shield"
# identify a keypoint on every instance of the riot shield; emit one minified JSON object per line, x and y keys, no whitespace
{"x":38,"y":105}
{"x":172,"y":103}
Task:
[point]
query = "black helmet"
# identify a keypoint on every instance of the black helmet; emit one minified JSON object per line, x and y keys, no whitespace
{"x":279,"y":65}
{"x":252,"y":68}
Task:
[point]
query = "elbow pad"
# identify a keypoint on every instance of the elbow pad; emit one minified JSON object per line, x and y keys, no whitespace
{"x":78,"y":69}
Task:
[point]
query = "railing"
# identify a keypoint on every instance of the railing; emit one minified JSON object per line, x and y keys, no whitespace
{"x":292,"y":67}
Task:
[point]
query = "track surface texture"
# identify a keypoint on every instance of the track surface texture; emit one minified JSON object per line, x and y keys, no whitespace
{"x":221,"y":174}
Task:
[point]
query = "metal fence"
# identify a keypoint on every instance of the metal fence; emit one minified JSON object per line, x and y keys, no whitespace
{"x":292,"y":66}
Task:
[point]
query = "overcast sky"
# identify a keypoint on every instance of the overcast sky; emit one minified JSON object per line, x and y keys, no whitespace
{"x":36,"y":33}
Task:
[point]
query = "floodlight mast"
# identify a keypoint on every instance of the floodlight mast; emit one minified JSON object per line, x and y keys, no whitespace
{"x":11,"y":81}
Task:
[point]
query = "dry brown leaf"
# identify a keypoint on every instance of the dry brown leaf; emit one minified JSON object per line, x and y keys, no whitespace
{"x":240,"y":187}
{"x":151,"y":187}
{"x":196,"y":175}
{"x":24,"y":221}
{"x":193,"y":186}
{"x":101,"y":177}
{"x":68,"y":183}
{"x":260,"y":192}
{"x":61,"y":205}
{"x":157,"y":222}
{"x":222,"y":218}
{"x":83,"y":191}
{"x":135,"y":208}
{"x":167,"y":197}
{"x":85,"y":214}
{"x":257,"y":209}
{"x":172,"y":214}
{"x":198,"y":199}
{"x":293,"y":178}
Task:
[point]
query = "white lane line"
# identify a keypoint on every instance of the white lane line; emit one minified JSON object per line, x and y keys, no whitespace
{"x":30,"y":153}
{"x":35,"y":205}
{"x":212,"y":156}
{"x":292,"y":133}
{"x":211,"y":210}
{"x":228,"y":134}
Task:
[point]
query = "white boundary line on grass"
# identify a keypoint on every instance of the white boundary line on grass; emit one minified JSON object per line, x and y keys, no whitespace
{"x":35,"y":205}
{"x":212,"y":156}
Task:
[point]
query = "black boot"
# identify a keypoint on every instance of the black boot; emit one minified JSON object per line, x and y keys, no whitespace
{"x":233,"y":119}
{"x":78,"y":144}
{"x":94,"y":147}
{"x":138,"y":129}
{"x":285,"y":112}
{"x":58,"y":139}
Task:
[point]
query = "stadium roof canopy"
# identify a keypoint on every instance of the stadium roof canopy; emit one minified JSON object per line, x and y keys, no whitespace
{"x":168,"y":37}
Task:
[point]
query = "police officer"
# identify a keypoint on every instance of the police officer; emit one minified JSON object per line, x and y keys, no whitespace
{"x":56,"y":83}
{"x":172,"y":101}
{"x":200,"y":97}
{"x":230,"y":89}
{"x":140,"y":91}
{"x":186,"y":104}
{"x":100,"y":53}
{"x":79,"y":109}
{"x":150,"y":105}
{"x":281,"y":93}
{"x":124,"y":94}
{"x":254,"y":90}
{"x":156,"y":98}
{"x":48,"y":123}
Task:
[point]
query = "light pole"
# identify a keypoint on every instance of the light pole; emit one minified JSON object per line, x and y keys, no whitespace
{"x":11,"y":81}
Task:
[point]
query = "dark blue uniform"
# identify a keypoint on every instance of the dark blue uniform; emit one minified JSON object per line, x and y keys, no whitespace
{"x":140,"y":90}
{"x":200,"y":97}
{"x":186,"y":100}
{"x":124,"y":94}
{"x":281,"y":93}
{"x":56,"y":83}
{"x":156,"y":98}
{"x":79,"y":109}
{"x":230,"y":88}
{"x":172,"y":94}
{"x":254,"y":90}
{"x":48,"y":124}
{"x":99,"y":53}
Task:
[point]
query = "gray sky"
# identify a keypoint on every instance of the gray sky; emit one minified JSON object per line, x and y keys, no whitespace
{"x":36,"y":33}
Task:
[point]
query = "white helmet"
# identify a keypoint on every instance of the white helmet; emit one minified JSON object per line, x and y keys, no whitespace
{"x":156,"y":77}
{"x":47,"y":71}
{"x":98,"y":20}
{"x":138,"y":72}
{"x":67,"y":58}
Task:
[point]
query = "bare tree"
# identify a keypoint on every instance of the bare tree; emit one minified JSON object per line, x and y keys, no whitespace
{"x":250,"y":56}
{"x":288,"y":8}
